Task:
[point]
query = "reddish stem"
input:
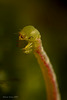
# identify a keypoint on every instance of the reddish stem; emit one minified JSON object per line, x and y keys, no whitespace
{"x":48,"y":73}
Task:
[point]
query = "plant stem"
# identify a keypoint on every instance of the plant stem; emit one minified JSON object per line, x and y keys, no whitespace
{"x":48,"y":73}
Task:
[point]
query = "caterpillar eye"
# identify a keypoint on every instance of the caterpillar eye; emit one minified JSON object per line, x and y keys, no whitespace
{"x":21,"y":36}
{"x":30,"y":37}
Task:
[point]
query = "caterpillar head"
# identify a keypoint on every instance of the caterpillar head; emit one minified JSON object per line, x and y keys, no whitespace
{"x":31,"y":35}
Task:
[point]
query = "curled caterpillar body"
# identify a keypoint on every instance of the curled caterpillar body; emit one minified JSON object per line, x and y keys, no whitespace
{"x":33,"y":37}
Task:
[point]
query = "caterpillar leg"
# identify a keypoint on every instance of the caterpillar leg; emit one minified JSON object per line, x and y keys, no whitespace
{"x":28,"y":48}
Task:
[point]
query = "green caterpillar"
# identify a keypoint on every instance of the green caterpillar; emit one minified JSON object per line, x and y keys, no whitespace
{"x":33,"y":37}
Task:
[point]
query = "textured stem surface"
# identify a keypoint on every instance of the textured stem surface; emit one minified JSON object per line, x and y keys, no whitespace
{"x":48,"y":73}
{"x":33,"y":37}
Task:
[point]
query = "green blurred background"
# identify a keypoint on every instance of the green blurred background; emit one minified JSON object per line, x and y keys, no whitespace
{"x":20,"y":74}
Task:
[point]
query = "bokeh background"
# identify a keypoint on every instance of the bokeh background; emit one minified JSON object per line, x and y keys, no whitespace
{"x":20,"y":74}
